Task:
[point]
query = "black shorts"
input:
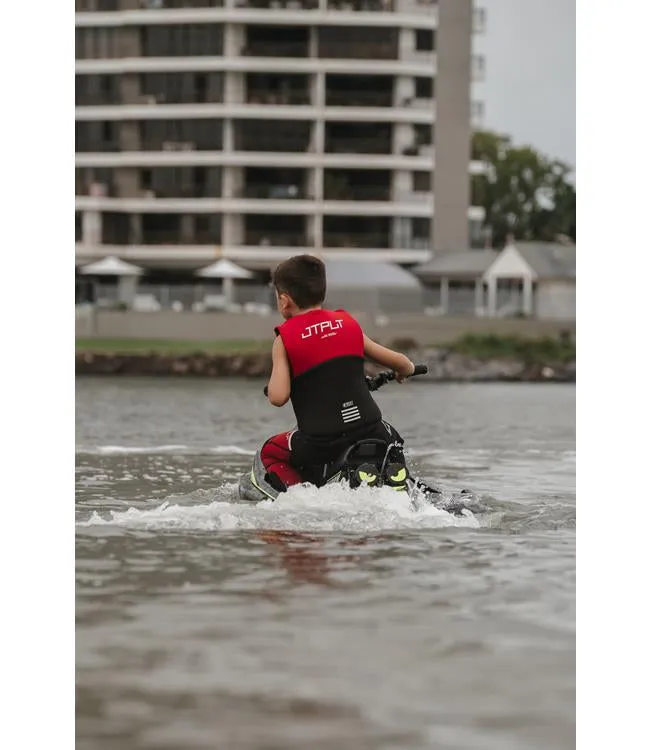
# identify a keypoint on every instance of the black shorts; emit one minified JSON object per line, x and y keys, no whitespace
{"x":311,"y":450}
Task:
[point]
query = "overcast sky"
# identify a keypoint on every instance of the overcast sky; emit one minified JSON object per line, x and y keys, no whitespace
{"x":529,"y":92}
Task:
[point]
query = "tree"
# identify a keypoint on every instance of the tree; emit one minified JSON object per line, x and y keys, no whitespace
{"x":525,"y":194}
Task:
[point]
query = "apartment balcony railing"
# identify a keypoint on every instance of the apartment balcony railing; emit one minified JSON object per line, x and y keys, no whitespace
{"x":362,"y":5}
{"x":361,"y":51}
{"x":275,"y":192}
{"x":365,"y":193}
{"x":358,"y":146}
{"x":350,"y":239}
{"x":358,"y":99}
{"x":275,"y":239}
{"x":278,"y":4}
{"x":276,"y":49}
{"x":276,"y":97}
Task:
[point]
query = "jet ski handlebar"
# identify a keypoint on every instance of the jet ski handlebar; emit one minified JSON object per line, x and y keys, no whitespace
{"x":381,"y":378}
{"x":385,"y":377}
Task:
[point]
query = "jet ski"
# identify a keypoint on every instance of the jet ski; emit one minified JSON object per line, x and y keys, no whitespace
{"x":365,"y":463}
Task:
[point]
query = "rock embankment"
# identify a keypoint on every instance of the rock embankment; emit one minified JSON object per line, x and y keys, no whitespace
{"x":444,"y":366}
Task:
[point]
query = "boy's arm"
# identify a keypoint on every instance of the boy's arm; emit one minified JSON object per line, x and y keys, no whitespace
{"x":400,"y":363}
{"x":279,"y":388}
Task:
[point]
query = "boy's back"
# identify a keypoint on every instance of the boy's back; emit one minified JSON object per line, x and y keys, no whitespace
{"x":318,"y":363}
{"x":326,"y":358}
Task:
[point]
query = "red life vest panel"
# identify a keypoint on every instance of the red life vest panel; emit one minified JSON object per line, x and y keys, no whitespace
{"x":329,"y":393}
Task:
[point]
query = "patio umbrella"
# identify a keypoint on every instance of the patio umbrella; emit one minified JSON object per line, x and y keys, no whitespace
{"x":126,"y":272}
{"x":227,"y":271}
{"x":111,"y":266}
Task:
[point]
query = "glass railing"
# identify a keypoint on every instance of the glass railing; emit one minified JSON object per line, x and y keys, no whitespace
{"x":274,"y":192}
{"x":357,"y":146}
{"x":365,"y":193}
{"x":276,"y":49}
{"x":278,"y":4}
{"x":358,"y":99}
{"x":349,"y":239}
{"x":275,"y":239}
{"x":276,"y":97}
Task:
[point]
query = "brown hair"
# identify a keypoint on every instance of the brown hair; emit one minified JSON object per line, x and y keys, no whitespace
{"x":302,"y":277}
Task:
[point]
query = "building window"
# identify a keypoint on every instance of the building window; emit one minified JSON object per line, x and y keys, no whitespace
{"x":421,"y":182}
{"x":96,"y":136}
{"x":421,"y":229}
{"x":423,"y":88}
{"x":181,"y":135}
{"x":182,"y":88}
{"x":424,"y":40}
{"x":423,"y":135}
{"x":181,"y":40}
{"x":348,"y":42}
{"x":96,"y":43}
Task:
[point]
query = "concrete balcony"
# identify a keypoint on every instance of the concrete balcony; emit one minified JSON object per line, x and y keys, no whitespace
{"x":191,"y":158}
{"x":410,"y":13}
{"x":414,"y":64}
{"x":153,"y":111}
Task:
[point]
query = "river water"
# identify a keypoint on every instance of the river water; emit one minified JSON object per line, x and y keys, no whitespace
{"x":336,"y":620}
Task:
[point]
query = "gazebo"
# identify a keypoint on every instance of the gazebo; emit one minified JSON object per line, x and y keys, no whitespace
{"x":454,"y":281}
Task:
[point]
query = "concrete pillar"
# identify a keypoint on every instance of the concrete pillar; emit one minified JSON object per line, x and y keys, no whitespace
{"x":315,"y":230}
{"x":406,"y":43}
{"x":127,"y":182}
{"x":135,"y":229}
{"x":451,"y":179}
{"x":228,"y":136}
{"x":492,"y":297}
{"x":126,"y":289}
{"x":404,"y":90}
{"x":478,"y":297}
{"x":91,"y":228}
{"x":129,"y":88}
{"x":528,"y":296}
{"x":188,"y":229}
{"x":234,"y":90}
{"x":401,"y":232}
{"x":402,"y":184}
{"x":234,"y":37}
{"x":129,"y":135}
{"x":313,"y":42}
{"x":444,"y":295}
{"x":315,"y":183}
{"x":318,"y":90}
{"x":402,"y":137}
{"x":232,"y":182}
{"x":232,"y":230}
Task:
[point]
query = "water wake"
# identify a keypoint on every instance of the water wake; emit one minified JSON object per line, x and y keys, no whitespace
{"x":302,"y":508}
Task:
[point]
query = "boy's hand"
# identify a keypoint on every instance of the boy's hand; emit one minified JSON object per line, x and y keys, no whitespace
{"x":404,"y":371}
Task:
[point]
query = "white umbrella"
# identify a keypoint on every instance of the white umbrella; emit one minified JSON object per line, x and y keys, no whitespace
{"x":224,"y":269}
{"x":111,"y":266}
{"x":228,"y":271}
{"x":126,"y":272}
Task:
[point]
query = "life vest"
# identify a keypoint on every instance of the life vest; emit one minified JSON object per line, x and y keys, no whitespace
{"x":329,"y":393}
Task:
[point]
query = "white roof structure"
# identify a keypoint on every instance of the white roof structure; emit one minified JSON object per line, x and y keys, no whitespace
{"x":111,"y":266}
{"x":343,"y":274}
{"x":224,"y":269}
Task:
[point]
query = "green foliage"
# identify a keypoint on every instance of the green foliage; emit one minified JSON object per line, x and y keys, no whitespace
{"x":532,"y":351}
{"x":525,"y":194}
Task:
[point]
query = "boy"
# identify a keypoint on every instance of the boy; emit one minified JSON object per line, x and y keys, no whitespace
{"x":318,"y":363}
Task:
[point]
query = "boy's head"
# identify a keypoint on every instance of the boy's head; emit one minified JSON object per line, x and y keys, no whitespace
{"x":299,"y":284}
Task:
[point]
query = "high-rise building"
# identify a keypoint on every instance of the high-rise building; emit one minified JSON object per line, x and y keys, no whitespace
{"x":255,"y":129}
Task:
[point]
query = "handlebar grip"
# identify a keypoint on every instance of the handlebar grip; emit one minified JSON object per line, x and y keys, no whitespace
{"x":420,"y":370}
